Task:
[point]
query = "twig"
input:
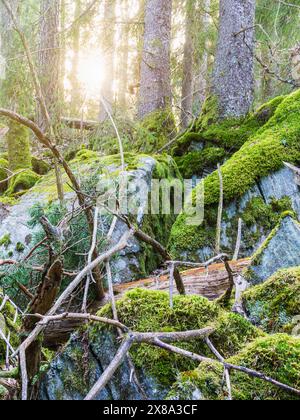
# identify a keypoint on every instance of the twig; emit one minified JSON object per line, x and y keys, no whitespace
{"x":220,"y":212}
{"x":221,"y":359}
{"x":90,"y":256}
{"x":45,"y":319}
{"x":172,"y":268}
{"x":24,"y":375}
{"x":238,"y":241}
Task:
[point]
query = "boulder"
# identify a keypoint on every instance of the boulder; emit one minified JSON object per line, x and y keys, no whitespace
{"x":277,"y":356}
{"x":280,"y":250}
{"x":258,"y":187}
{"x":20,"y":228}
{"x":72,"y":374}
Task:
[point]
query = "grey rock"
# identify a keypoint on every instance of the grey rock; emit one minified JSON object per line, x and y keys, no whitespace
{"x":74,"y":372}
{"x":279,"y":251}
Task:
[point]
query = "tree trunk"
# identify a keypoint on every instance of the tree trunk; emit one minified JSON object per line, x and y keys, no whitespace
{"x":155,"y":90}
{"x":49,"y":62}
{"x":18,"y":143}
{"x":233,"y":79}
{"x":123,"y":87}
{"x":202,"y":63}
{"x":75,"y":85}
{"x":188,"y":66}
{"x":108,"y":49}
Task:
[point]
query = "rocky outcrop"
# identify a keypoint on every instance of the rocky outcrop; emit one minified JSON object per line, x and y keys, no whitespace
{"x":280,"y":250}
{"x":18,"y":234}
{"x":257,"y":188}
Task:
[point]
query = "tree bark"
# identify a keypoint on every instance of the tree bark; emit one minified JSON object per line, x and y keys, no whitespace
{"x":155,"y":90}
{"x":108,"y":49}
{"x":202,"y":63}
{"x":233,"y":79}
{"x":75,"y":85}
{"x":123,"y":87}
{"x":49,"y":62}
{"x":188,"y":66}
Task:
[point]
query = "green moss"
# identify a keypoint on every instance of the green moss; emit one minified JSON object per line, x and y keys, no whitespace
{"x":3,"y":174}
{"x":5,"y":240}
{"x":274,"y":304}
{"x":148,"y":311}
{"x":23,"y":182}
{"x":20,"y":247}
{"x":276,"y":356}
{"x":19,"y":155}
{"x":39,"y":166}
{"x":229,"y":134}
{"x":194,"y":163}
{"x":154,"y":131}
{"x":261,"y":155}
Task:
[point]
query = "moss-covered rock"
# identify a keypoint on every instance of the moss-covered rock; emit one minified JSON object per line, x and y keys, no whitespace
{"x":274,"y":304}
{"x":148,"y":311}
{"x":229,"y":134}
{"x":263,"y":154}
{"x":40,"y":166}
{"x":23,"y":182}
{"x":276,"y":356}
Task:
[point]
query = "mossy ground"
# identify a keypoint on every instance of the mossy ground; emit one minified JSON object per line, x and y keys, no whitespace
{"x":274,"y":304}
{"x":277,"y":356}
{"x":148,"y":311}
{"x":265,"y":151}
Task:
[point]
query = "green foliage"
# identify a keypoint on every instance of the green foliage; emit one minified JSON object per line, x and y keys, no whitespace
{"x":273,"y":304}
{"x":148,"y":311}
{"x":276,"y":356}
{"x":5,"y":240}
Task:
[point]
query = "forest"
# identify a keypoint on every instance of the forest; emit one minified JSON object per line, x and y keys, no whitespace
{"x":149,"y":201}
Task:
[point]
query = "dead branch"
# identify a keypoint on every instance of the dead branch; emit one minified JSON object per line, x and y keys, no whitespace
{"x":78,"y":124}
{"x":220,"y":212}
{"x":238,"y":241}
{"x":45,"y":320}
{"x":90,"y":257}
